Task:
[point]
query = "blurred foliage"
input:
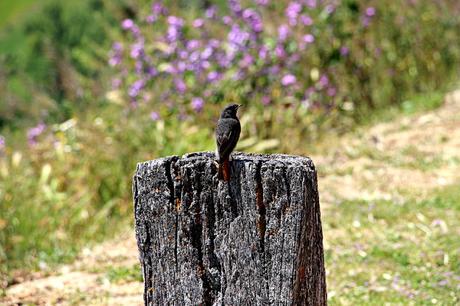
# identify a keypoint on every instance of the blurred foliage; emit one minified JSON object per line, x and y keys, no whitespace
{"x":9,"y":10}
{"x":73,"y":185}
{"x":52,"y":62}
{"x":70,"y":182}
{"x":347,"y":58}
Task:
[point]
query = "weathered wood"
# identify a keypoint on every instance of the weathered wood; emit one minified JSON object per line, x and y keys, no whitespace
{"x":255,"y":240}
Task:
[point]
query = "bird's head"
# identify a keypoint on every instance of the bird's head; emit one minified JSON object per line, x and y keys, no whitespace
{"x":230,"y":111}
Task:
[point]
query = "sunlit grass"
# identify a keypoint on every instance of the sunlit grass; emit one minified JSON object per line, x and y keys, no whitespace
{"x":124,"y":274}
{"x":398,"y":252}
{"x":9,"y":10}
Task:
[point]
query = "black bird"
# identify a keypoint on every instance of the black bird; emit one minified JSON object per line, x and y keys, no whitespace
{"x":227,"y":134}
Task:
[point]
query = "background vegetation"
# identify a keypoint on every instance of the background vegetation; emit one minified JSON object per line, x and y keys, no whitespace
{"x":90,"y":88}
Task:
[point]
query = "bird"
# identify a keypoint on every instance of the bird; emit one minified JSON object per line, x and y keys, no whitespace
{"x":228,"y":131}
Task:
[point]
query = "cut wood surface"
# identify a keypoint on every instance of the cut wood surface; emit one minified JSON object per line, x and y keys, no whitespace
{"x":255,"y":240}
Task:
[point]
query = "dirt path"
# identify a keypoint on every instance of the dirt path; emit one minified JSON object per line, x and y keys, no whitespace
{"x":416,"y":154}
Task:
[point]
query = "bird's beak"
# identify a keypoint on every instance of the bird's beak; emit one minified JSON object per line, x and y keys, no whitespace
{"x":240,"y":105}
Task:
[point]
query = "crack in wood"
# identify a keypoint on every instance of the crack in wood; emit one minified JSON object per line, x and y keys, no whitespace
{"x":204,"y":242}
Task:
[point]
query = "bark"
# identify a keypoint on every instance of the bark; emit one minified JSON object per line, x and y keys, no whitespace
{"x":255,"y":240}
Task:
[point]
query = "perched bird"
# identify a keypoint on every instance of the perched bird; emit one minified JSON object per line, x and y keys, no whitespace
{"x":227,"y":134}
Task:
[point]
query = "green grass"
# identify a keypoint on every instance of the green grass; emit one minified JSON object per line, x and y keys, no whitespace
{"x":399,"y":253}
{"x":9,"y":10}
{"x":415,"y":104}
{"x":124,"y":274}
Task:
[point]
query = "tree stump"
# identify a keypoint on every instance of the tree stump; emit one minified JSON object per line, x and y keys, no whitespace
{"x":255,"y":240}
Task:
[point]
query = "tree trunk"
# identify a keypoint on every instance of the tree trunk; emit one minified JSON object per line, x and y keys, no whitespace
{"x":255,"y":240}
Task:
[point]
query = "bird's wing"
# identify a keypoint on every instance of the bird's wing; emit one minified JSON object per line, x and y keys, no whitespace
{"x":226,"y":141}
{"x":224,"y":138}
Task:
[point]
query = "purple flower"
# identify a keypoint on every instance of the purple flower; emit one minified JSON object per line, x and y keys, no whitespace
{"x":139,"y":67}
{"x":223,"y":61}
{"x":137,"y":49}
{"x":263,"y":52}
{"x":330,"y":8}
{"x":34,"y":132}
{"x":173,"y":33}
{"x":198,"y":23}
{"x":227,"y":20}
{"x":288,"y":80}
{"x":175,"y":28}
{"x":295,"y":57}
{"x":266,"y":100}
{"x":205,"y":65}
{"x":370,"y":11}
{"x":246,"y":61}
{"x":207,"y":52}
{"x":135,"y":88}
{"x":127,"y":24}
{"x":214,"y":43}
{"x":235,"y":6}
{"x":150,"y":19}
{"x":311,"y":3}
{"x":309,"y":38}
{"x":306,"y":20}
{"x":117,"y":47}
{"x":180,"y":85}
{"x":323,"y":81}
{"x":344,"y":51}
{"x":283,"y":32}
{"x":274,"y":70}
{"x":238,"y":37}
{"x":181,"y":66}
{"x":116,"y":54}
{"x":171,"y":69}
{"x":2,"y":143}
{"x":154,"y":116}
{"x":331,"y":91}
{"x":213,"y":76}
{"x":197,"y":104}
{"x":194,"y":56}
{"x":183,"y":54}
{"x":175,"y":21}
{"x":253,"y":19}
{"x":211,"y":12}
{"x":365,"y":21}
{"x":262,"y":2}
{"x":192,"y":44}
{"x":239,"y":75}
{"x":292,"y":12}
{"x":443,"y":282}
{"x":158,"y":9}
{"x":152,"y":72}
{"x":279,"y":51}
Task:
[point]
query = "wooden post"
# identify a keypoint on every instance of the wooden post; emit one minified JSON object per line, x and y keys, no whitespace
{"x":255,"y":240}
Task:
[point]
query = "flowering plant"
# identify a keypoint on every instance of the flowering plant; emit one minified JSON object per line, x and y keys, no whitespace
{"x":191,"y":62}
{"x":318,"y":56}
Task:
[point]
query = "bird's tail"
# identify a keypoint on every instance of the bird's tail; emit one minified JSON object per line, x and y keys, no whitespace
{"x":224,"y":170}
